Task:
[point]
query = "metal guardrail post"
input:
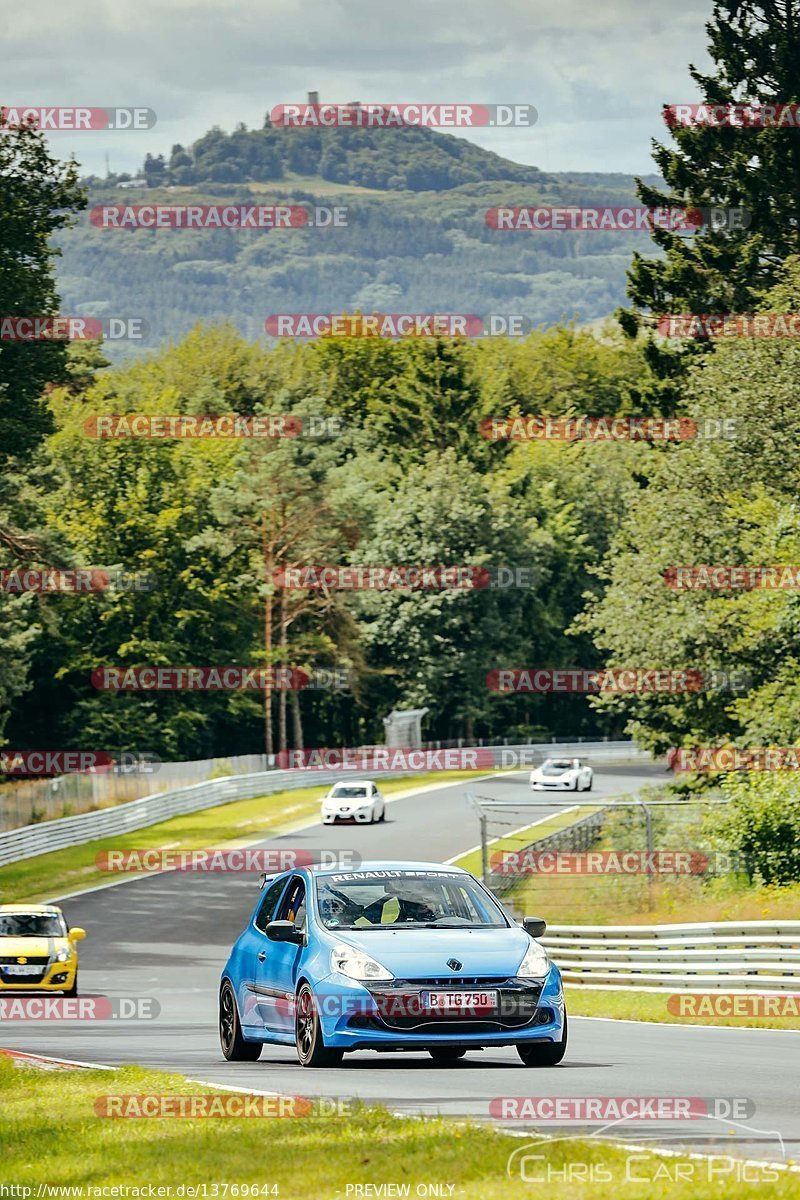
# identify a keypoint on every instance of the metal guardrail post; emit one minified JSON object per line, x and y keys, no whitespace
{"x":648,"y":820}
{"x":484,"y":850}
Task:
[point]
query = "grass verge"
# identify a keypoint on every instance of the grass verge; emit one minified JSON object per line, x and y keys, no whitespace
{"x":50,"y":1132}
{"x":521,"y":838}
{"x":75,"y":867}
{"x":612,"y":898}
{"x":652,"y":1006}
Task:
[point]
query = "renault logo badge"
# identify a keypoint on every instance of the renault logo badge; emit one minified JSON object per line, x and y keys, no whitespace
{"x":454,"y":964}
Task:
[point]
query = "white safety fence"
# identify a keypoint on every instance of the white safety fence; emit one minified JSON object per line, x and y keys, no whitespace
{"x":30,"y":840}
{"x":735,"y":955}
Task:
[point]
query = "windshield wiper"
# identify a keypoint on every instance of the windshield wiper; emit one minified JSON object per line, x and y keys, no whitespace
{"x":456,"y":923}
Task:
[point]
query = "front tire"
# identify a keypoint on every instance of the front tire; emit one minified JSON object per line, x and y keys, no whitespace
{"x":544,"y":1054}
{"x":234,"y":1047}
{"x":311,"y":1048}
{"x":445,"y":1056}
{"x":72,"y":991}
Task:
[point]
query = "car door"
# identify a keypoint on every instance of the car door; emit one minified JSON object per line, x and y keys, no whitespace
{"x":253,"y":1004}
{"x":279,"y":962}
{"x":377,"y":802}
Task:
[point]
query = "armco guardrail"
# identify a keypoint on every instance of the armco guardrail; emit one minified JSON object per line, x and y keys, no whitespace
{"x":31,"y":840}
{"x":737,"y":955}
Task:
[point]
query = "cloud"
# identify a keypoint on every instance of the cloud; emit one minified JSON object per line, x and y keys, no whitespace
{"x":597,"y":73}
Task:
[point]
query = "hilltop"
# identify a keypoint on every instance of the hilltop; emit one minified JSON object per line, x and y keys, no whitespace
{"x":416,"y":238}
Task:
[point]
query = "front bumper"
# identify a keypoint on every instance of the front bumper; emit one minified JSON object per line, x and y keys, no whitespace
{"x":361,"y":816}
{"x":384,"y":1016}
{"x":556,"y":786}
{"x":55,"y":977}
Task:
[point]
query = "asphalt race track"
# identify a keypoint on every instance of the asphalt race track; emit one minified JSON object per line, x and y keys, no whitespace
{"x":167,"y":936}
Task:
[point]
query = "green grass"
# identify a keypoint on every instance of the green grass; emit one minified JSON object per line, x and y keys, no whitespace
{"x":523,"y":837}
{"x":74,"y":868}
{"x":609,"y":899}
{"x":652,"y":1006}
{"x":50,"y":1132}
{"x":631,"y":900}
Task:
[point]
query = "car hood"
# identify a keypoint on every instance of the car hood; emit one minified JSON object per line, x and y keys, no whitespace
{"x":556,"y":775}
{"x":421,"y":953}
{"x":29,"y":947}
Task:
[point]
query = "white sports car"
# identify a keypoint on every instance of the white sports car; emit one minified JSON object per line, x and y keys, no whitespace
{"x":357,"y":800}
{"x":562,"y":774}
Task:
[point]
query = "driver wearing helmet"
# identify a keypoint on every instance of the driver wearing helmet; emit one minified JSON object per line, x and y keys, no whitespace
{"x":413,"y":899}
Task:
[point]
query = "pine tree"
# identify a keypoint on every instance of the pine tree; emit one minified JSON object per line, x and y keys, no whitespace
{"x":38,"y":194}
{"x":756,"y":49}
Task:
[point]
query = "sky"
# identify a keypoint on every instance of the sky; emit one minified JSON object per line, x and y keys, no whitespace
{"x":597,"y":71}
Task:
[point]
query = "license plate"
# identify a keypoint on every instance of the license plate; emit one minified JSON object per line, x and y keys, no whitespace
{"x":34,"y":970}
{"x":461,"y":1002}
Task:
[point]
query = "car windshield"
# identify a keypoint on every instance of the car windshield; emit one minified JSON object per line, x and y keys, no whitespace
{"x":405,"y":899}
{"x":557,"y":768}
{"x":32,"y":925}
{"x":339,"y":793}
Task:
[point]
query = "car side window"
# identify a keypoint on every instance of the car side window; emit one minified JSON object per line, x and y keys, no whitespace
{"x":269,"y":904}
{"x":293,"y":905}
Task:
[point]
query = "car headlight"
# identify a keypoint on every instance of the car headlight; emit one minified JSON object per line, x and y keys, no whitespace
{"x":63,"y":956}
{"x":357,"y":965}
{"x":534,"y":963}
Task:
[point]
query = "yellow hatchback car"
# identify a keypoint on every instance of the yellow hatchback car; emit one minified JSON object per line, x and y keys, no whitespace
{"x":37,"y":949}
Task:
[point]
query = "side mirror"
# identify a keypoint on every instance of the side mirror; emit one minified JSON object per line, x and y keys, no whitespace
{"x":284,"y":931}
{"x":77,"y":934}
{"x":535,"y":926}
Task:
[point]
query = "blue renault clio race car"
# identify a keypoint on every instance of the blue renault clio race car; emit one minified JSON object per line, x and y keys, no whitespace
{"x":389,"y":956}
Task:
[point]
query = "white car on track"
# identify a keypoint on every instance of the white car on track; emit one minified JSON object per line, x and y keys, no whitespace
{"x":356,"y":800}
{"x":562,"y":774}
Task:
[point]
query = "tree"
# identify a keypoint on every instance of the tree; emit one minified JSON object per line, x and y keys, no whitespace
{"x":37,"y":196}
{"x":724,"y":501}
{"x":275,"y":513}
{"x":756,"y":50}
